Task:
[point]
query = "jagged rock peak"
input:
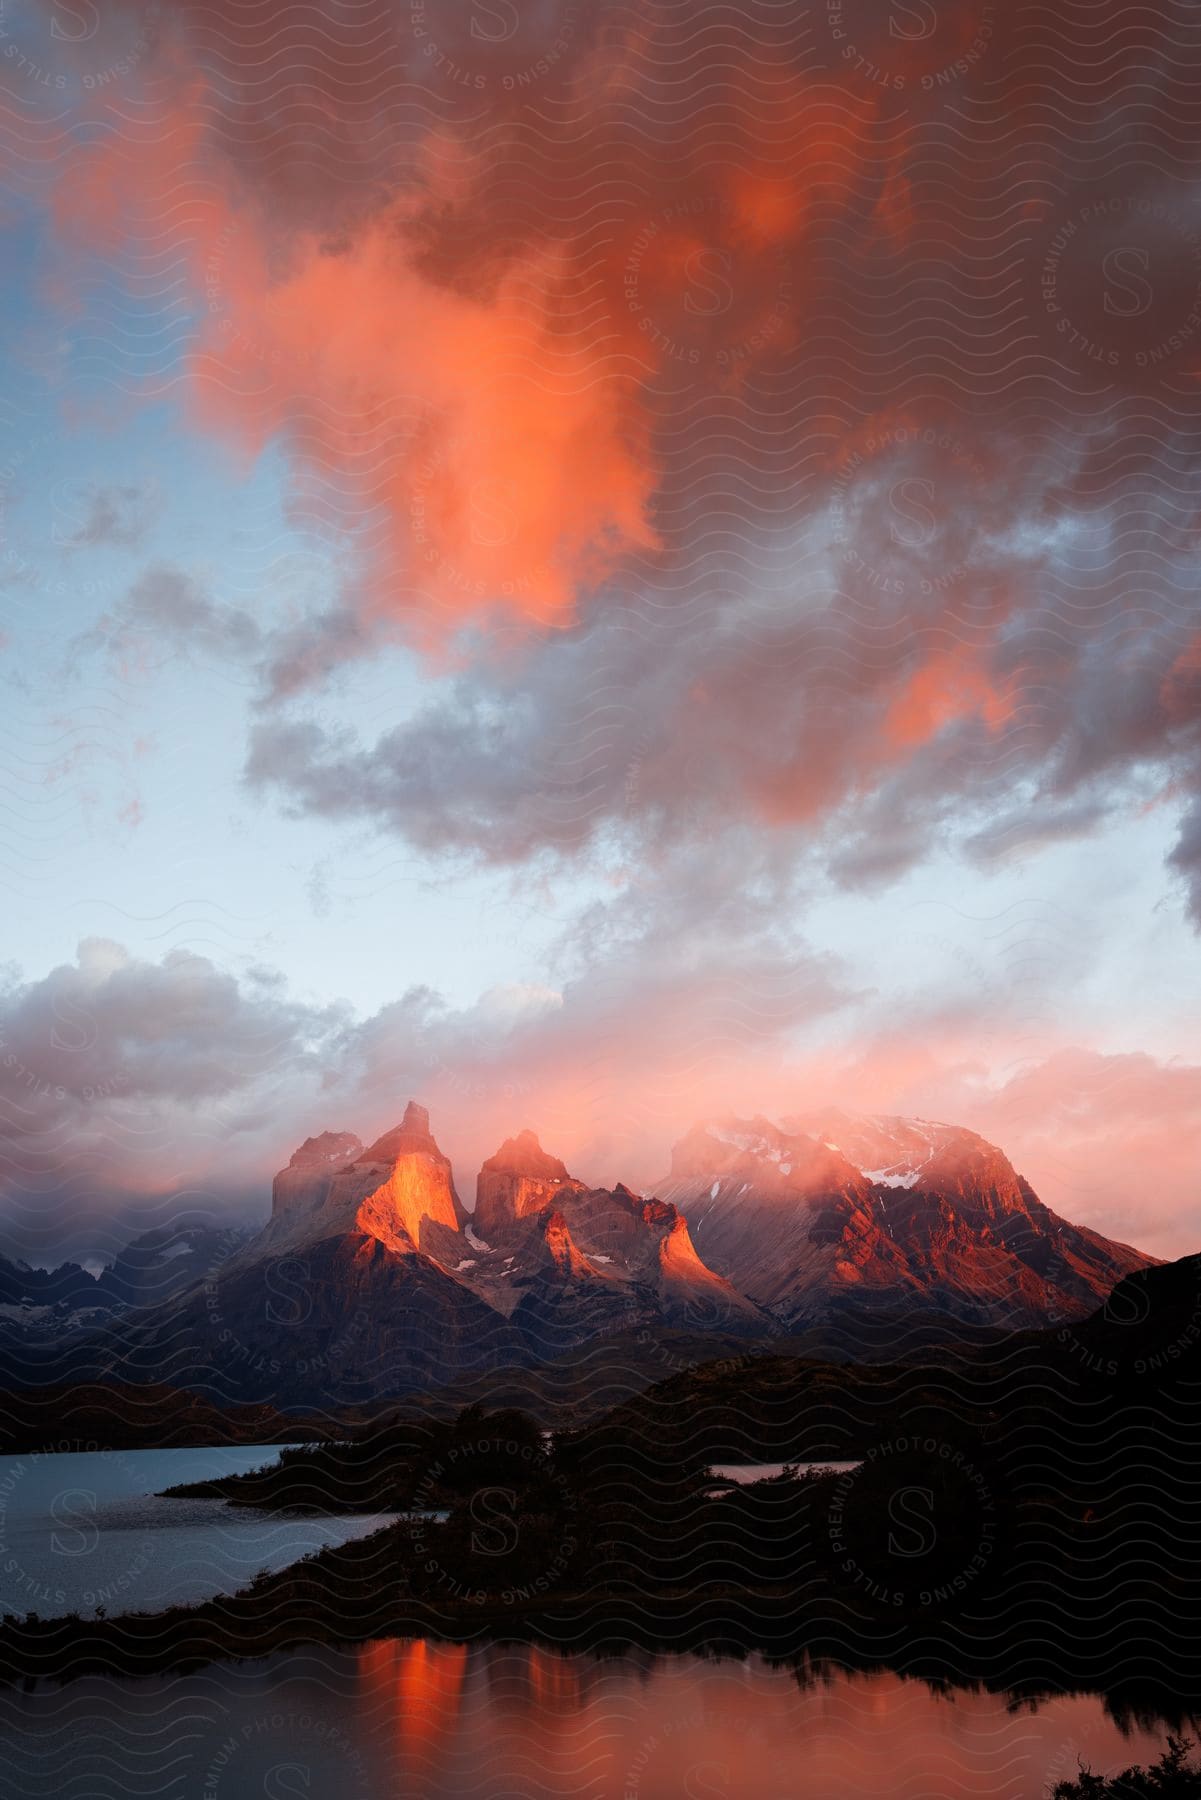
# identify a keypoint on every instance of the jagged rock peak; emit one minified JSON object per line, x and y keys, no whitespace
{"x":303,"y":1186}
{"x":328,"y":1150}
{"x":562,"y":1248}
{"x":519,"y":1180}
{"x":524,"y":1155}
{"x":412,"y":1135}
{"x":393,"y":1191}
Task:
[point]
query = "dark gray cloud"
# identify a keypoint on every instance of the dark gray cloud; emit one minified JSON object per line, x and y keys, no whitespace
{"x":1029,"y":702}
{"x":127,"y":1086}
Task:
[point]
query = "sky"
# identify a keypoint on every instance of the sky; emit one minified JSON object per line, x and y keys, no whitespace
{"x":596,"y":566}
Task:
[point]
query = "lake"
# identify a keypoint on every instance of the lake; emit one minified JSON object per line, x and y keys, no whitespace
{"x":86,"y":1530}
{"x":444,"y":1721}
{"x":505,"y":1722}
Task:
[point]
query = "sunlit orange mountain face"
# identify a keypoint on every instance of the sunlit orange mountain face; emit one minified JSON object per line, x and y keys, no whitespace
{"x":372,"y":1277}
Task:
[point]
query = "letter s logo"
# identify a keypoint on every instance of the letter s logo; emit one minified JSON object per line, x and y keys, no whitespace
{"x":702,"y":1312}
{"x":708,"y":273}
{"x":1128,"y":1305}
{"x":85,"y":14}
{"x":73,"y":1509}
{"x":287,"y":1780}
{"x":1121,"y":268}
{"x":492,"y":1509}
{"x":502,"y":15}
{"x":80,"y":1033}
{"x":907,"y":499}
{"x":912,"y":1508}
{"x":912,"y":23}
{"x":287,"y":1281}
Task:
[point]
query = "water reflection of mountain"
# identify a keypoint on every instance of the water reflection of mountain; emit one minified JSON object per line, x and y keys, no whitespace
{"x":490,"y":1720}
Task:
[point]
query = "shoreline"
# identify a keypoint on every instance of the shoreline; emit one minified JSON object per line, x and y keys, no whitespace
{"x":316,"y":1603}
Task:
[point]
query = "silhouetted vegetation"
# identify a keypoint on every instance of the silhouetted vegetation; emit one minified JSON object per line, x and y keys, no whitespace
{"x":1173,"y":1777}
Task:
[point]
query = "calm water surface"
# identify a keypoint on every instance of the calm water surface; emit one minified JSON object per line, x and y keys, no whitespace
{"x":86,"y":1529}
{"x":446,"y":1722}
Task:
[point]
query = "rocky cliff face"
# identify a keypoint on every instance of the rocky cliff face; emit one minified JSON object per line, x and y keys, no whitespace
{"x":575,"y":1260}
{"x":829,"y":1211}
{"x":395,"y":1191}
{"x":519,"y":1180}
{"x":303,"y":1187}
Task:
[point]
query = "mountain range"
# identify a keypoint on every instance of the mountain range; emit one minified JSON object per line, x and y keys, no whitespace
{"x":150,"y":1269}
{"x":371,"y":1277}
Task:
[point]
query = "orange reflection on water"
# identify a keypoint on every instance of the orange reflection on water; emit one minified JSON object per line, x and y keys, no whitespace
{"x":419,"y":1686}
{"x":495,"y":1721}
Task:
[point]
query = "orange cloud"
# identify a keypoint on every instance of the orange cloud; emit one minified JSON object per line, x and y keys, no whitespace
{"x":947,"y":688}
{"x":473,"y":400}
{"x":502,"y":455}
